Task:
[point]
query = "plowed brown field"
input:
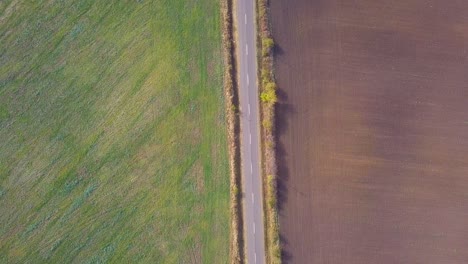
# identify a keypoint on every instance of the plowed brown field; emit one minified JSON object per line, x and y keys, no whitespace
{"x":373,"y":130}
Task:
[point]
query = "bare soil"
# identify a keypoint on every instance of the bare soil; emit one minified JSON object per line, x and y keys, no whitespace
{"x":373,"y":130}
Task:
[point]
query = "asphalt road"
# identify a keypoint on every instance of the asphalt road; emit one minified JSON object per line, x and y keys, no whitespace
{"x":250,"y":136}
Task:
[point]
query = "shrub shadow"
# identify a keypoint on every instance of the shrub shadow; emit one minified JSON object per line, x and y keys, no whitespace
{"x":283,"y":112}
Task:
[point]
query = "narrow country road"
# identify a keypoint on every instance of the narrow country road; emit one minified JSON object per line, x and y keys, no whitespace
{"x":250,"y":136}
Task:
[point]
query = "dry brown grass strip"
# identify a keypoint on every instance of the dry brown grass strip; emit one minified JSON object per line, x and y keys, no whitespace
{"x":230,"y":89}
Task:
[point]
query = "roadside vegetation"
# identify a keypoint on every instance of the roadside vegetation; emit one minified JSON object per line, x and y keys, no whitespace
{"x":230,"y":88}
{"x":113,"y":145}
{"x":268,"y":98}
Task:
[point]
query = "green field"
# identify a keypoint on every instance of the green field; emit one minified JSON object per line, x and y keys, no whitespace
{"x":112,"y":132}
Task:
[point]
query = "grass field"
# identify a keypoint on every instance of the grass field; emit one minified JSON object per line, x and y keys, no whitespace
{"x":112,"y":132}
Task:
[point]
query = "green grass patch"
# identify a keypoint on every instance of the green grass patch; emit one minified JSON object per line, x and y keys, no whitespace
{"x":112,"y":132}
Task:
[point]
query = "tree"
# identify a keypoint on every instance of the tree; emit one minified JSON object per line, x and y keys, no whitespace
{"x":269,"y":96}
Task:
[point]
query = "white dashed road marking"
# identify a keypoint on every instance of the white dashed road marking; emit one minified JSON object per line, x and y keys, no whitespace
{"x":247,"y":39}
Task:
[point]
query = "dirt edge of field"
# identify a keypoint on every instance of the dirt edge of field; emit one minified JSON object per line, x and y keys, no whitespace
{"x":233,"y":127}
{"x":268,"y":99}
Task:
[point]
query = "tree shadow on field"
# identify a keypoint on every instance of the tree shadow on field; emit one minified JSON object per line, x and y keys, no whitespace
{"x":283,"y":112}
{"x":277,"y":50}
{"x":286,"y":257}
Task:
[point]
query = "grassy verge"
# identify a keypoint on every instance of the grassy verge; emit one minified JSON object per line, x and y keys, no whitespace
{"x":230,"y":87}
{"x":113,"y":145}
{"x":268,"y":100}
